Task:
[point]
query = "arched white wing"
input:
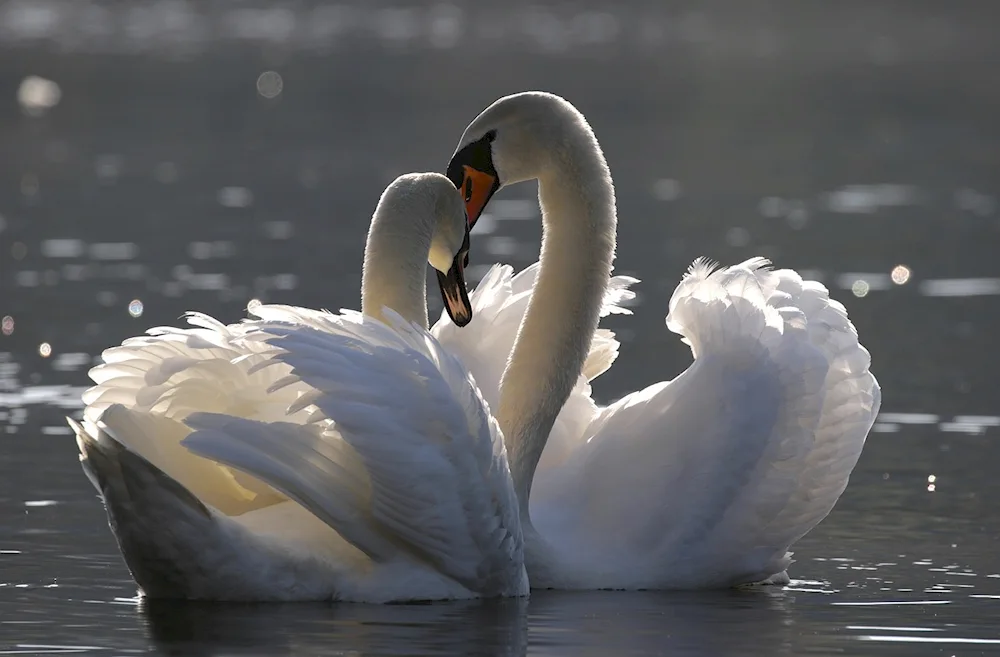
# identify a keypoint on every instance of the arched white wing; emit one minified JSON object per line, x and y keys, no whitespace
{"x":400,"y":448}
{"x":708,"y":479}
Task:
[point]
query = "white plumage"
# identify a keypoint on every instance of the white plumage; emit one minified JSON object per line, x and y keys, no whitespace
{"x":484,"y":345}
{"x":332,"y":457}
{"x":705,"y":480}
{"x":406,"y":496}
{"x":344,"y":457}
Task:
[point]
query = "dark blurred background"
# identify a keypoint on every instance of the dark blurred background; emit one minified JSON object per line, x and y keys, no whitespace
{"x":842,"y":138}
{"x":158,"y":156}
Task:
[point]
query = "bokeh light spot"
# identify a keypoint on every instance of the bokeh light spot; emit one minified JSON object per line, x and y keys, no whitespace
{"x":36,"y":95}
{"x":270,"y":84}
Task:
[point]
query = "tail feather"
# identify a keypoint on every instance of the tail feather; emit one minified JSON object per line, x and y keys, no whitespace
{"x":178,"y":547}
{"x":151,"y":515}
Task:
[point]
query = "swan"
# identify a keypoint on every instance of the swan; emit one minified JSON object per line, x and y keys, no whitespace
{"x":305,"y":455}
{"x":702,"y":481}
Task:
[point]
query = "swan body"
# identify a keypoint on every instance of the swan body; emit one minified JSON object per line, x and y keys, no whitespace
{"x":701,"y":481}
{"x":305,"y":455}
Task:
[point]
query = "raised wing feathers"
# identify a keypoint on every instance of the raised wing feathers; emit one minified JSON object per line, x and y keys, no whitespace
{"x":707,"y":479}
{"x":433,"y":459}
{"x":483,"y":346}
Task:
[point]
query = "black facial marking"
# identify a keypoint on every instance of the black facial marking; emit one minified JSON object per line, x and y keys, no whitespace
{"x":476,"y":155}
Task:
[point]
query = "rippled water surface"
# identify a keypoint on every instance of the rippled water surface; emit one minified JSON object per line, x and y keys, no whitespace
{"x":168,"y":157}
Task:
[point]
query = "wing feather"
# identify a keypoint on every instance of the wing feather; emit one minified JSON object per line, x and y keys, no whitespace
{"x":499,"y":303}
{"x":709,"y":478}
{"x":435,"y":469}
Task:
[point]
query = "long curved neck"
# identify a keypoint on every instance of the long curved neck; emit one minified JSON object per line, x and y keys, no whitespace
{"x":579,"y":225}
{"x":394,"y":272}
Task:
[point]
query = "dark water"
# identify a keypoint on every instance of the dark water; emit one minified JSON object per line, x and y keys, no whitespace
{"x":856,"y":143}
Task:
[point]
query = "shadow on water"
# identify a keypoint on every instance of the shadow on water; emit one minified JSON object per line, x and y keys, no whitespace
{"x":486,"y":627}
{"x":698,"y":623}
{"x":713,"y":623}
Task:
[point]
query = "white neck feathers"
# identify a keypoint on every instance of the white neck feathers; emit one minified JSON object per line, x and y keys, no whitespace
{"x":578,"y":246}
{"x":394,"y":274}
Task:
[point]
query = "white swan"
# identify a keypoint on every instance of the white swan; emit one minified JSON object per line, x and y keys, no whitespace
{"x":702,"y":481}
{"x":362,"y":463}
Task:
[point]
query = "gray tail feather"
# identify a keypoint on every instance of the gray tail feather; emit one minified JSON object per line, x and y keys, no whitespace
{"x":143,"y":503}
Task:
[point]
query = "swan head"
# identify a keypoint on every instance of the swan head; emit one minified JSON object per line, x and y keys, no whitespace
{"x":432,"y":201}
{"x":519,"y":137}
{"x":449,"y":250}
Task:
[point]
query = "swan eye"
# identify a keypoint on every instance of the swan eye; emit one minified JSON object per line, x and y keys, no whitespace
{"x":468,"y":189}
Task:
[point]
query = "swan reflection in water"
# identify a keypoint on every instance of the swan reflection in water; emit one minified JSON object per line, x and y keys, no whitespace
{"x":486,"y":627}
{"x":571,"y":623}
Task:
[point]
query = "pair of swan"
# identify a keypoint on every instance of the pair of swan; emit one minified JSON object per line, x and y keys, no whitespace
{"x":309,"y":455}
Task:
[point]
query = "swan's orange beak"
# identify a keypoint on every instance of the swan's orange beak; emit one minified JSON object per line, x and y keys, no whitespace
{"x":477,"y":188}
{"x":472,"y":173}
{"x":453,"y":291}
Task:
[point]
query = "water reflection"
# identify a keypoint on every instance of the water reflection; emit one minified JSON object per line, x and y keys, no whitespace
{"x":704,"y":623}
{"x":480,"y":627}
{"x":893,"y":567}
{"x":804,"y":617}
